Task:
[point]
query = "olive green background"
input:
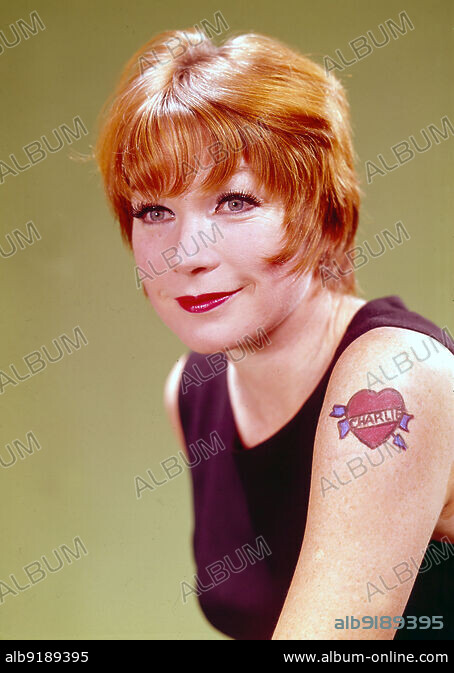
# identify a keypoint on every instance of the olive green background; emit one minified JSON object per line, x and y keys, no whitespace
{"x":98,"y":413}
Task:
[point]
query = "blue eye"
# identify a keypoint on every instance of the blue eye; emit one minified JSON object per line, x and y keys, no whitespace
{"x":142,"y":210}
{"x":238,"y":196}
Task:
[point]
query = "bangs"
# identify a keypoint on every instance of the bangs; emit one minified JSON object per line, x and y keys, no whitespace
{"x":170,"y":142}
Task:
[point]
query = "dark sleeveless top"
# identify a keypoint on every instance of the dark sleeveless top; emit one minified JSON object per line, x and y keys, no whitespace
{"x":250,"y":504}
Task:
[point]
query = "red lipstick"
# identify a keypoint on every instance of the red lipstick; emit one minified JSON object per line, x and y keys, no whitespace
{"x":204,"y":302}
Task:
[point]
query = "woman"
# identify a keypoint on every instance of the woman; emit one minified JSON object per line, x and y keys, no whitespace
{"x":318,"y":483}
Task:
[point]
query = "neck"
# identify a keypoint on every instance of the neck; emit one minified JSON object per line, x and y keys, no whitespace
{"x":272,"y":381}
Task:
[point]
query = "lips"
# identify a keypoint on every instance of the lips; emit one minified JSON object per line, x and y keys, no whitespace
{"x":204,"y":302}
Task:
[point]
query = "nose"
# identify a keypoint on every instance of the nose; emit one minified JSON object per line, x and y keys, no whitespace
{"x":198,"y":248}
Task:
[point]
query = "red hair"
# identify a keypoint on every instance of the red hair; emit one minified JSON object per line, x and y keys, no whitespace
{"x":251,"y":97}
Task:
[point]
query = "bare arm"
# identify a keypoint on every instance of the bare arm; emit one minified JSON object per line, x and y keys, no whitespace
{"x":365,"y":522}
{"x":171,"y":388}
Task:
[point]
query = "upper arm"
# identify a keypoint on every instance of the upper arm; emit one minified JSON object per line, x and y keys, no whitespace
{"x":171,"y":390}
{"x":372,"y":510}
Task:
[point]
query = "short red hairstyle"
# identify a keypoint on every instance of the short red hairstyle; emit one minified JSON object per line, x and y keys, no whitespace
{"x":289,"y":119}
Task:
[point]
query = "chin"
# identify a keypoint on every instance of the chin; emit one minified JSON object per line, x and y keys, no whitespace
{"x":206,"y":346}
{"x":214,"y":339}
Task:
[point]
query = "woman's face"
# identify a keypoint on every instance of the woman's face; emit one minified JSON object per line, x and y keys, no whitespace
{"x":204,"y":244}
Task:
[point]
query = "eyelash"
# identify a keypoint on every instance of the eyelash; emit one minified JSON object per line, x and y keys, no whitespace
{"x":143,"y":208}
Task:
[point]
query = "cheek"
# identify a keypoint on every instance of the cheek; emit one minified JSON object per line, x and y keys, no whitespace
{"x":138,"y":247}
{"x":146,"y":247}
{"x":142,"y":252}
{"x":282,"y":293}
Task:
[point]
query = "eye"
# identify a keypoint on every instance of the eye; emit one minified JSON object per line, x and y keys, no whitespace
{"x":149,"y":213}
{"x":237,"y":200}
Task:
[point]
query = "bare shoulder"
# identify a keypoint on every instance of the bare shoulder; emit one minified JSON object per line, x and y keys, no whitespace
{"x":171,"y":389}
{"x":396,"y":351}
{"x":402,"y":371}
{"x":394,"y":357}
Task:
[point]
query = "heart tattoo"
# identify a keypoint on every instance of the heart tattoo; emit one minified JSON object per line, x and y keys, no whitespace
{"x":372,"y":417}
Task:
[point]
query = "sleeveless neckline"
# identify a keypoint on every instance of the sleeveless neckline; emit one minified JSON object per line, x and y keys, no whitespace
{"x":275,"y":439}
{"x":258,"y":497}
